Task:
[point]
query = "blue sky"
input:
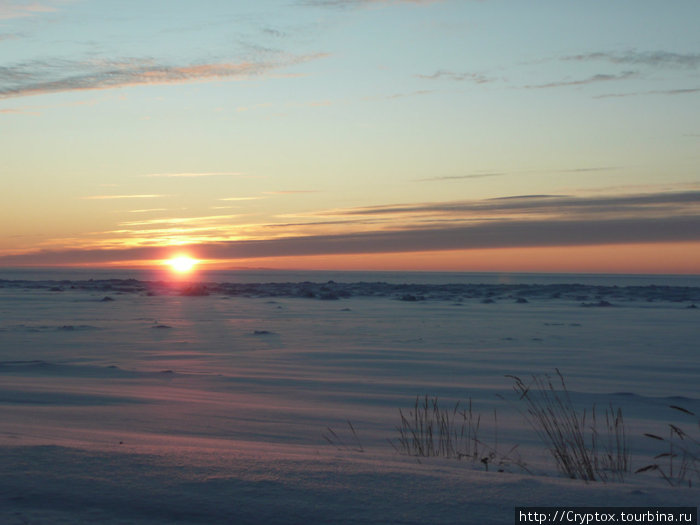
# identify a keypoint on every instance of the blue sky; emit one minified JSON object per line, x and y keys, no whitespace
{"x":132,"y":126}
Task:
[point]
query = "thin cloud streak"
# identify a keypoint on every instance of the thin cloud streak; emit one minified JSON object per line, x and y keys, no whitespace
{"x":360,"y":3}
{"x":476,"y":78}
{"x":180,"y":220}
{"x":524,"y":197}
{"x":644,"y":58}
{"x":601,"y":77}
{"x":241,"y":198}
{"x":11,"y":9}
{"x":682,"y":91}
{"x":585,"y":170}
{"x":502,"y":173}
{"x":19,"y":111}
{"x":43,"y":76}
{"x":289,"y":192}
{"x":558,"y":204}
{"x":106,"y":197}
{"x":196,"y":174}
{"x":461,"y":177}
{"x":417,"y":93}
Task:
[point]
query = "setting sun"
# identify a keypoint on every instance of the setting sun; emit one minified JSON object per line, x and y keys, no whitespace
{"x":182,"y":263}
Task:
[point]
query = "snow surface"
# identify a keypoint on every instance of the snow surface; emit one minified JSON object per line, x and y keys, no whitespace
{"x":133,"y":401}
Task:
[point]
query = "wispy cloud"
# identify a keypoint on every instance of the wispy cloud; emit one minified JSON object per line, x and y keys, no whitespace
{"x":594,"y":79}
{"x":592,"y":208}
{"x":679,"y":91}
{"x":19,"y":111}
{"x":106,"y":197}
{"x":181,"y":220}
{"x":396,"y":96}
{"x":360,"y":3}
{"x":461,"y":177}
{"x":271,"y":31}
{"x":51,"y":76}
{"x":289,"y":192}
{"x":411,"y":94}
{"x":476,"y":78}
{"x":657,"y":60}
{"x":241,"y":198}
{"x":585,"y":170}
{"x":487,"y":174}
{"x":525,"y":197}
{"x":320,"y":224}
{"x":196,"y":174}
{"x":148,"y":210}
{"x":641,"y":58}
{"x":20,"y":9}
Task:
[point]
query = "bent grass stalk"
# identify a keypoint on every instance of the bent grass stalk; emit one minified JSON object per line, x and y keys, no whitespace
{"x":680,"y":465}
{"x":552,"y":415}
{"x":335,"y":440}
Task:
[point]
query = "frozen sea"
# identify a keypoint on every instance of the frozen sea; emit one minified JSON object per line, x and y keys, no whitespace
{"x":264,"y":396}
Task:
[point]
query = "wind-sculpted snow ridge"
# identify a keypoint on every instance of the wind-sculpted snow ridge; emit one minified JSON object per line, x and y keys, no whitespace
{"x":587,"y":295}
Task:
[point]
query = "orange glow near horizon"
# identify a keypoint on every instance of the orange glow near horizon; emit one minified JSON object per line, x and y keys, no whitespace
{"x":657,"y":258}
{"x":662,"y":258}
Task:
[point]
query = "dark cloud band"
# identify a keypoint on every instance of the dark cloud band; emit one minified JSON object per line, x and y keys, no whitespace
{"x":496,"y":234}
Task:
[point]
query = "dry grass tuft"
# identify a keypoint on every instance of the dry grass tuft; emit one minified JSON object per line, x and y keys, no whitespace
{"x":603,"y":456}
{"x":431,"y":430}
{"x":587,"y":446}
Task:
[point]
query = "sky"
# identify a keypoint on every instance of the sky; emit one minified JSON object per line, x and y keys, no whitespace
{"x":456,"y":135}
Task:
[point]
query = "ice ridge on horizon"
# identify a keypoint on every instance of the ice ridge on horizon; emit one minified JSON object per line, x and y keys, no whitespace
{"x":589,"y":295}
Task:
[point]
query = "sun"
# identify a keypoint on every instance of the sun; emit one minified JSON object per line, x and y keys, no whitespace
{"x":182,"y":263}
